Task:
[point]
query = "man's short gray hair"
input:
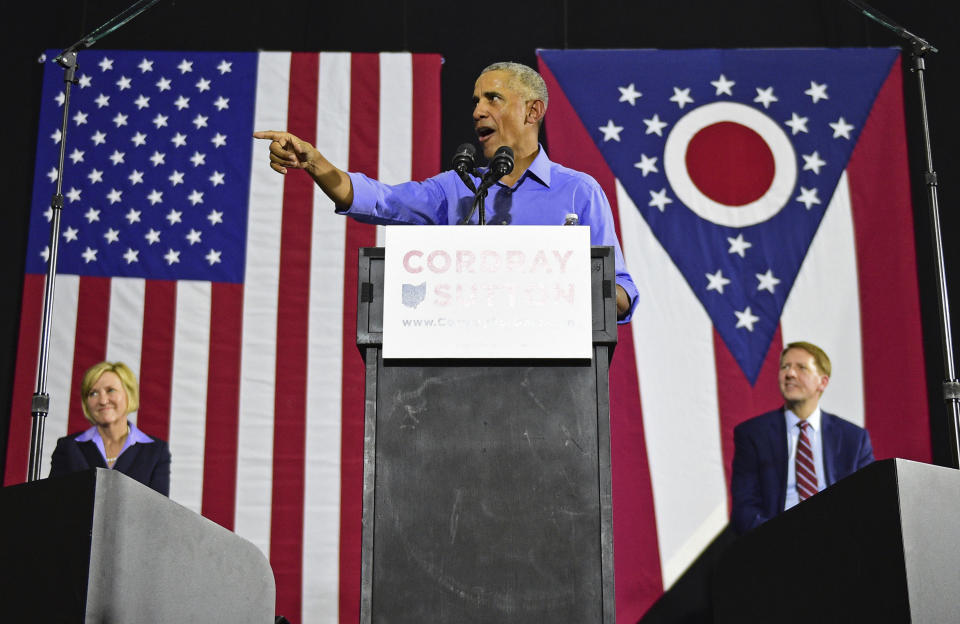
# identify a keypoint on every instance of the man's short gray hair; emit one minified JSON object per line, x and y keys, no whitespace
{"x":530,"y":81}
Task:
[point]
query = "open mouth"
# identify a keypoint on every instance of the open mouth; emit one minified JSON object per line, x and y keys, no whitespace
{"x":484,"y":132}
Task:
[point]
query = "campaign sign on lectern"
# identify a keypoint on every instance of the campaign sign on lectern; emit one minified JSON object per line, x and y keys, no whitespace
{"x":487,"y":292}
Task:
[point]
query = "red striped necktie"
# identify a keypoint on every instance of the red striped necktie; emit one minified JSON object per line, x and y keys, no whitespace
{"x":806,"y":471}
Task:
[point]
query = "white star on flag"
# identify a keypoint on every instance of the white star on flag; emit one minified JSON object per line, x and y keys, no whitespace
{"x":716,"y":281}
{"x":746,"y":319}
{"x":681,"y":97}
{"x":765,"y":97}
{"x":813,"y":162}
{"x":130,"y":255}
{"x":611,"y":131}
{"x":767,"y":281}
{"x":647,"y":164}
{"x":723,"y":85}
{"x":797,"y":123}
{"x":808,"y":197}
{"x":654,"y":125}
{"x":660,"y":199}
{"x":738,"y":245}
{"x":817,"y":92}
{"x":629,"y":94}
{"x":841,"y":128}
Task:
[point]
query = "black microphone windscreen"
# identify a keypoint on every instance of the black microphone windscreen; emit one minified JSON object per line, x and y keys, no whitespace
{"x":503,"y":160}
{"x":464,"y":159}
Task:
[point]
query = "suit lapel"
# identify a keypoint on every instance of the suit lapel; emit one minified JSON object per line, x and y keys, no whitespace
{"x":126,"y":459}
{"x":830,"y":446}
{"x":778,"y":442}
{"x":92,"y":454}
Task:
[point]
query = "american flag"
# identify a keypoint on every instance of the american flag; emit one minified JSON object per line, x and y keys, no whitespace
{"x":762,"y":197}
{"x":229,"y":289}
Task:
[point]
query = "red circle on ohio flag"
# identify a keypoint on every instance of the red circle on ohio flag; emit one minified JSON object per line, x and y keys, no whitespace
{"x":730,"y":163}
{"x":731,"y":186}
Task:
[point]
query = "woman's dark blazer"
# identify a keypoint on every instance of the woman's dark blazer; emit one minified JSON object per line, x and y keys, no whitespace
{"x":148,"y":463}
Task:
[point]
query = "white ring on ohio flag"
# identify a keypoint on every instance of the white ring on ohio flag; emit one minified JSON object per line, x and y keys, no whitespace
{"x":757,"y":211}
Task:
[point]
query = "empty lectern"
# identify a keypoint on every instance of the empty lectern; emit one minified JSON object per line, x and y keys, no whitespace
{"x":877,"y":546}
{"x":98,"y":546}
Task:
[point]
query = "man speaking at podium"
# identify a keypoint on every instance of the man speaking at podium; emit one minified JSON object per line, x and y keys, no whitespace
{"x":510,"y":101}
{"x":785,"y":456}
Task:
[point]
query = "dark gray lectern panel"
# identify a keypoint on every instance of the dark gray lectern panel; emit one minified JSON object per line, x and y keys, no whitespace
{"x":98,"y":546}
{"x":487,"y":482}
{"x":878,"y":546}
{"x":504,"y":488}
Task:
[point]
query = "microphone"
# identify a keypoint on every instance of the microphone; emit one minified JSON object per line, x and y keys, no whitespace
{"x":464,"y":163}
{"x":500,"y":165}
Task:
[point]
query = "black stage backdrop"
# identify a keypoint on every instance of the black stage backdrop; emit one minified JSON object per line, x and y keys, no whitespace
{"x":469,"y":36}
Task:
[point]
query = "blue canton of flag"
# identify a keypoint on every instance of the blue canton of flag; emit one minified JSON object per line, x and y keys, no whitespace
{"x":157,"y":167}
{"x":732,"y":157}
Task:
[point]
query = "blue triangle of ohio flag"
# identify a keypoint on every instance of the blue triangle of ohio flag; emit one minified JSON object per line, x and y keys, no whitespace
{"x":732,"y":157}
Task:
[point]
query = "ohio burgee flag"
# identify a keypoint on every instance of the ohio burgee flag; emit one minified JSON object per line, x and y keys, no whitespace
{"x":762,"y":198}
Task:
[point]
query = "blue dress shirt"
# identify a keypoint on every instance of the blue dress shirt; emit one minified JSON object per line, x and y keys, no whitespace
{"x":544,"y":195}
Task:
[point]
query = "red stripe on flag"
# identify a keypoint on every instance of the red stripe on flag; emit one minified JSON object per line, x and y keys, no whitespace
{"x":426,"y":115}
{"x":90,"y":341}
{"x":898,"y":420}
{"x":364,"y":151}
{"x":156,"y":357}
{"x":25,"y":380}
{"x":223,"y":404}
{"x":639,"y":580}
{"x":737,"y":399}
{"x":290,"y":401}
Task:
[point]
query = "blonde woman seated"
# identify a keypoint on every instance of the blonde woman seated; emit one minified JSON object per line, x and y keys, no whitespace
{"x":109,"y":392}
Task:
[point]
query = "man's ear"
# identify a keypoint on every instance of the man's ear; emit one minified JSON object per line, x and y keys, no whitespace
{"x":824,"y":380}
{"x":535,"y":111}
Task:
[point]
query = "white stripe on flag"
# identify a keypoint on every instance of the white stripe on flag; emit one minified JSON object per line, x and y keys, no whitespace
{"x":395,"y":156}
{"x":188,"y":395}
{"x":258,"y":363}
{"x":824,"y":306}
{"x":396,"y":117}
{"x":672,"y":332}
{"x":63,"y":331}
{"x":321,"y":504}
{"x":125,"y":328}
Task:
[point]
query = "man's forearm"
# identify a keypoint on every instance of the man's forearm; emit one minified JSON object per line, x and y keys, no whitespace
{"x":334,"y":182}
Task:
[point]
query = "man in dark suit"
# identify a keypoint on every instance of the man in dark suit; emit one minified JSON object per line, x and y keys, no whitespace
{"x":787,"y":455}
